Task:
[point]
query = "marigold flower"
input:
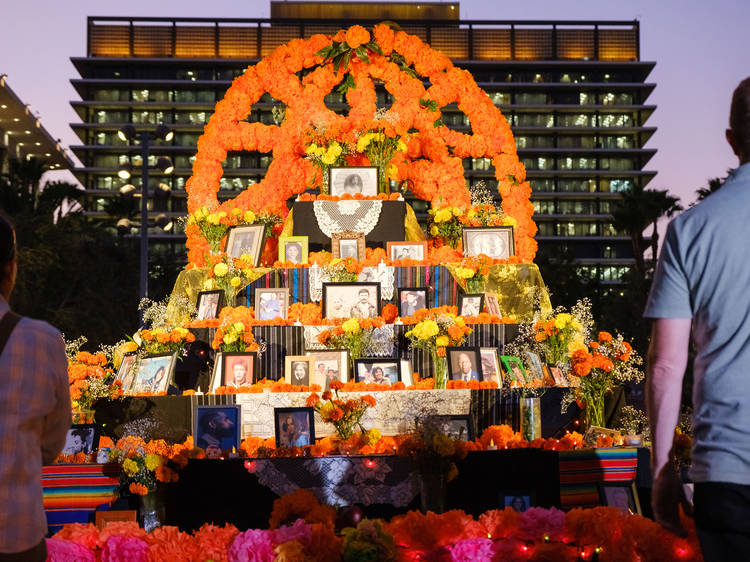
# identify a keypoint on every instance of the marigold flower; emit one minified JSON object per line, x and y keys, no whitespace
{"x":138,"y":489}
{"x":336,"y":385}
{"x":605,"y":337}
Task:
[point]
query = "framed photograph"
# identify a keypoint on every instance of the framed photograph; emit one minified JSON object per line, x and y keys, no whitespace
{"x":622,"y":495}
{"x":490,"y":365}
{"x":329,"y":365}
{"x":271,"y":303}
{"x":351,"y":300}
{"x":154,"y":373}
{"x":215,"y":381}
{"x":208,"y":304}
{"x":104,"y":518}
{"x":493,"y":241}
{"x":492,"y":304}
{"x":217,"y":427}
{"x":407,"y":375}
{"x":470,"y":305}
{"x":293,"y":249}
{"x":464,"y":363}
{"x":378,"y":370}
{"x":534,"y":365}
{"x":348,"y":244}
{"x":294,"y":427}
{"x":81,"y":438}
{"x":126,"y":372}
{"x":460,"y":427}
{"x":514,"y":369}
{"x":558,"y":375}
{"x":246,"y":240}
{"x":298,"y":370}
{"x":407,"y":250}
{"x":518,"y":499}
{"x":353,"y":180}
{"x":237,"y":368}
{"x":411,"y":299}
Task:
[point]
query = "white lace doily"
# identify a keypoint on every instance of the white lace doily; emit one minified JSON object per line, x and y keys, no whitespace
{"x":337,"y":216}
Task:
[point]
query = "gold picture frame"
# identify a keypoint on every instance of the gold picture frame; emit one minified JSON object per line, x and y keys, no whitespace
{"x":343,"y":251}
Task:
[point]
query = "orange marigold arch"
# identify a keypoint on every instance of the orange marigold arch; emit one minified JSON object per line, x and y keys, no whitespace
{"x":432,"y":163}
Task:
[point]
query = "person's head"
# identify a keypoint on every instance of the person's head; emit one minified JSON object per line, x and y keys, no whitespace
{"x":288,"y":426}
{"x":518,"y":503}
{"x":217,"y":423}
{"x":321,"y":367}
{"x":364,"y":295}
{"x":239,"y":373}
{"x":738,"y":133}
{"x":411,"y":298}
{"x":353,"y":184}
{"x":293,"y":252}
{"x":8,"y":259}
{"x":300,"y":370}
{"x":464,"y":363}
{"x":377,"y":372}
{"x":78,"y":439}
{"x":332,"y":374}
{"x":159,"y":375}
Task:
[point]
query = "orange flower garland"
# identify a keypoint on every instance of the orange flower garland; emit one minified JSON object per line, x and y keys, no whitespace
{"x":431,"y":166}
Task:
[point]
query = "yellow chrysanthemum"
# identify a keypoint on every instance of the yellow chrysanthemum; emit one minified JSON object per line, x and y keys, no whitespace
{"x":249,"y":216}
{"x":153,"y":461}
{"x":209,"y":284}
{"x":236,"y":211}
{"x":442,"y":341}
{"x":221,"y":269}
{"x":351,"y":326}
{"x":229,"y":339}
{"x":235,"y":281}
{"x":372,"y":436}
{"x":434,"y":230}
{"x":130,"y":467}
{"x":465,"y":272}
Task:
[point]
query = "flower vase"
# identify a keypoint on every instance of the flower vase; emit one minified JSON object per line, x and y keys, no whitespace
{"x":475,"y":284}
{"x":439,"y":369}
{"x":383,"y":183}
{"x":151,"y":510}
{"x":432,"y":490}
{"x":594,"y":412}
{"x":531,"y":418}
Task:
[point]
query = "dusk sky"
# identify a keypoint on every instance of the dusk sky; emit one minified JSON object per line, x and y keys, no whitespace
{"x":700,"y":50}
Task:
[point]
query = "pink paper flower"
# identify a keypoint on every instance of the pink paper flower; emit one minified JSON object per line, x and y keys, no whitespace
{"x":252,"y":546}
{"x":471,"y":549}
{"x":124,"y":549}
{"x":300,"y":532}
{"x":538,"y":522}
{"x":67,"y":551}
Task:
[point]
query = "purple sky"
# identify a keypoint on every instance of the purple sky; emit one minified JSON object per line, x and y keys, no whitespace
{"x":700,"y":49}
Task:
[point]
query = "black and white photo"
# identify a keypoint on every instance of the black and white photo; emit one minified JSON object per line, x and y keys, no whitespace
{"x":351,"y":300}
{"x":362,"y":180}
{"x":246,"y":240}
{"x":411,"y":299}
{"x":495,"y":242}
{"x":208,"y":304}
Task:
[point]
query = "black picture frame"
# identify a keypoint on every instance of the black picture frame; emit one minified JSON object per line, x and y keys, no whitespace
{"x":378,"y":362}
{"x":505,"y":232}
{"x":226,"y":360}
{"x":402,"y":309}
{"x":464,"y":298}
{"x":126,"y":372}
{"x":359,"y":286}
{"x":202,"y":426}
{"x":622,"y":495}
{"x":163,"y":382}
{"x":507,"y":496}
{"x":463,"y":421}
{"x":297,"y":414}
{"x":199,"y":301}
{"x":453,"y":372}
{"x":87,"y":433}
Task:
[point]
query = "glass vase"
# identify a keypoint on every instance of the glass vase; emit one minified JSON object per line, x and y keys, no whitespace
{"x":531,"y":418}
{"x":151,"y":510}
{"x":432,"y":491}
{"x":439,"y":369}
{"x":82,"y":416}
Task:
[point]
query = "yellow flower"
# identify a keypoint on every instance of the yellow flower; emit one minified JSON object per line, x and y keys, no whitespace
{"x":129,"y":346}
{"x":236,"y":211}
{"x":326,"y":409}
{"x":372,"y":436}
{"x":465,"y":272}
{"x":130,"y":467}
{"x":510,"y":221}
{"x":209,"y":284}
{"x":221,"y":269}
{"x":442,"y":341}
{"x":392,"y":171}
{"x":428,"y":329}
{"x":434,"y":230}
{"x":311,"y":149}
{"x":576,"y":344}
{"x":351,"y":326}
{"x":457,"y":212}
{"x":235,"y":281}
{"x":460,"y":321}
{"x":249,"y":216}
{"x":153,"y":461}
{"x":229,"y":339}
{"x":328,"y":158}
{"x":401,"y":146}
{"x":238,"y":327}
{"x":443,"y":215}
{"x":213,"y":218}
{"x":363,"y":141}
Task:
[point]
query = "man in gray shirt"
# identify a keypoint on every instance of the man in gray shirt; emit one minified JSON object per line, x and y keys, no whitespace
{"x":702,"y":283}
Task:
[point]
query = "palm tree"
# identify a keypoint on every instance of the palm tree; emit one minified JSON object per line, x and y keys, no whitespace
{"x":637,"y":210}
{"x":713,"y":186}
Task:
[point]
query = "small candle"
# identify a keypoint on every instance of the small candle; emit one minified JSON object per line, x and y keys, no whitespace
{"x":492,"y":446}
{"x":398,"y":321}
{"x":298,"y":323}
{"x":233,"y":454}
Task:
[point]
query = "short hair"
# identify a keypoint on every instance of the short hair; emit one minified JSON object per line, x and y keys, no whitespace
{"x":7,"y":242}
{"x":739,"y":116}
{"x":207,"y":419}
{"x":364,"y":291}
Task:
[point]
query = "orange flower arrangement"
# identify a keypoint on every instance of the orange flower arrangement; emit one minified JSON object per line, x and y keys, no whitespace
{"x":162,"y":341}
{"x":345,"y":415}
{"x":432,"y":164}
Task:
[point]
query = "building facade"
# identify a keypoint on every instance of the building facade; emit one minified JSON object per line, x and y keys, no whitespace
{"x":574,"y":92}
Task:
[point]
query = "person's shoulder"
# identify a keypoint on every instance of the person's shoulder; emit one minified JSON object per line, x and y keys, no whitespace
{"x":39,"y":328}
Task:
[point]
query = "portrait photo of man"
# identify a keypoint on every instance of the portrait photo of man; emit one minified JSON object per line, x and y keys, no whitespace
{"x":364,"y":307}
{"x":80,"y":439}
{"x":411,"y":300}
{"x":464,"y":364}
{"x":217,"y":426}
{"x":353,"y":181}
